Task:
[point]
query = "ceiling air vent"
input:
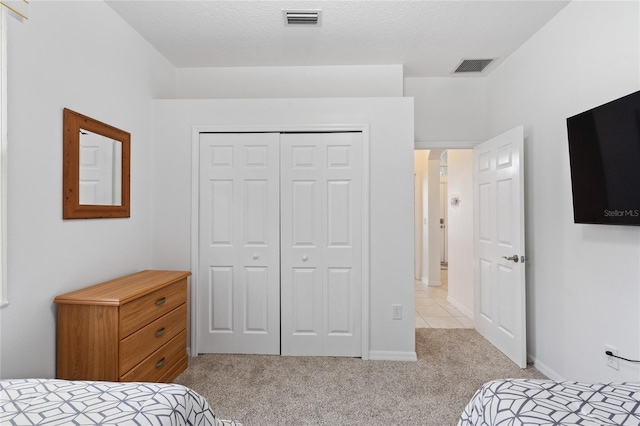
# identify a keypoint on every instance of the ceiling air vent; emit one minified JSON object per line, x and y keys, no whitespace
{"x":302,"y":17}
{"x":473,"y":65}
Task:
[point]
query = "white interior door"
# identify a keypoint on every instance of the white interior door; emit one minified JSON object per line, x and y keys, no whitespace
{"x":239,"y":244}
{"x":499,"y":269}
{"x":321,"y":255}
{"x":97,"y":171}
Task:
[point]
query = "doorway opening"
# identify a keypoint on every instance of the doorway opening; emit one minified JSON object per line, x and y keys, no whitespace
{"x":490,"y":246}
{"x":444,"y":238}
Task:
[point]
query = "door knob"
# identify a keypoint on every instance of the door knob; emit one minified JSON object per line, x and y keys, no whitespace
{"x":515,"y":258}
{"x":256,"y":255}
{"x":305,"y":258}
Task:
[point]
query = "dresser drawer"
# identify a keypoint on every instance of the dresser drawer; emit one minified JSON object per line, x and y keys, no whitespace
{"x":145,"y":341}
{"x":175,"y":370}
{"x":140,"y":312}
{"x":159,"y":363}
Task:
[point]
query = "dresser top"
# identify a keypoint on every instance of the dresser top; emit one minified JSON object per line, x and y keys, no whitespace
{"x":122,"y":290}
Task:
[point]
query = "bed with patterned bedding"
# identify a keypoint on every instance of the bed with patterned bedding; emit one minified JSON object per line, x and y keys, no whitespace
{"x":546,"y":402}
{"x":62,"y":402}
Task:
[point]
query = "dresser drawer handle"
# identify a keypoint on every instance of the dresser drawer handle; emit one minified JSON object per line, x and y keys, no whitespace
{"x":160,"y":302}
{"x":160,"y":332}
{"x":160,"y":363}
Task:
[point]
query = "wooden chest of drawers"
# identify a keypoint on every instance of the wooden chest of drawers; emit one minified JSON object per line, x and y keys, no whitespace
{"x":131,"y":329}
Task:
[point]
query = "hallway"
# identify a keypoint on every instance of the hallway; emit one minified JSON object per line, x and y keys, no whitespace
{"x":433,"y":310}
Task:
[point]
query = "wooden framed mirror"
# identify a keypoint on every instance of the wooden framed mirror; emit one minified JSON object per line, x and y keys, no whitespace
{"x":95,"y":170}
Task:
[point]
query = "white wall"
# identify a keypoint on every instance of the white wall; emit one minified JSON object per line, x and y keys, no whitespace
{"x":448,"y":109}
{"x":82,"y":56}
{"x":428,"y":235}
{"x":431,"y":209}
{"x":460,"y":221}
{"x":391,"y":190}
{"x":583,"y":281}
{"x":290,"y":82}
{"x":421,"y":157}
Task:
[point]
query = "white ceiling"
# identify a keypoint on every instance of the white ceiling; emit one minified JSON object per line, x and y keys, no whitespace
{"x":429,"y":37}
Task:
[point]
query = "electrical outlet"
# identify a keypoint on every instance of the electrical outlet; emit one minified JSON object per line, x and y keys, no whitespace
{"x":397,"y":312}
{"x":611,"y":361}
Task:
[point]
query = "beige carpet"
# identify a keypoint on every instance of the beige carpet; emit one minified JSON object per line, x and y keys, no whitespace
{"x":278,"y":390}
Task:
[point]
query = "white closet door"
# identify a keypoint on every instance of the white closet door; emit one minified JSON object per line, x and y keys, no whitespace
{"x":239,"y":267}
{"x":321,"y":252}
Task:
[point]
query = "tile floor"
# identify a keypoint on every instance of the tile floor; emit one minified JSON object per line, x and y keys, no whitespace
{"x":433,"y":310}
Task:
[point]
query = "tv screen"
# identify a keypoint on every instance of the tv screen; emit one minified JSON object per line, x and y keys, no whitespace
{"x":604,"y":153}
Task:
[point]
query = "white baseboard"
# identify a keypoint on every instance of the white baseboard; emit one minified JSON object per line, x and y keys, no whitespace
{"x":545,"y":369}
{"x":431,"y":283}
{"x":392,"y":356}
{"x":460,"y":307}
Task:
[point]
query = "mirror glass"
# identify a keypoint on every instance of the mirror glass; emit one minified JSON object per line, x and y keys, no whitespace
{"x":100,"y":170}
{"x":96,"y":169}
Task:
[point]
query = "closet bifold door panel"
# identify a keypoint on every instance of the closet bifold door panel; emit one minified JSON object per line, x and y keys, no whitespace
{"x":321,"y":243}
{"x":239,"y":243}
{"x":280,"y":243}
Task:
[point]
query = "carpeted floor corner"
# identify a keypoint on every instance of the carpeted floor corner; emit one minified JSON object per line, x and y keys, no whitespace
{"x":278,"y":390}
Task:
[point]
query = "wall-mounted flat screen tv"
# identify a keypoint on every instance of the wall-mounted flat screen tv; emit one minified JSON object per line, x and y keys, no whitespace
{"x":604,"y":153}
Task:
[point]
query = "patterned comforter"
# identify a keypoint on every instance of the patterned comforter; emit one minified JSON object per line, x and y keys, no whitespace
{"x":545,"y":402}
{"x":61,"y":402}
